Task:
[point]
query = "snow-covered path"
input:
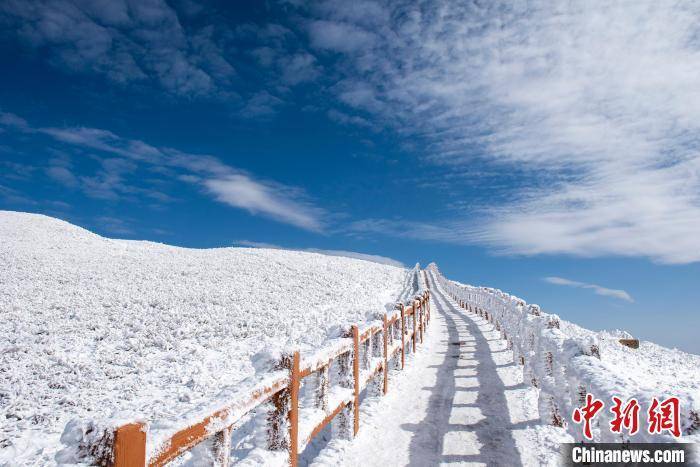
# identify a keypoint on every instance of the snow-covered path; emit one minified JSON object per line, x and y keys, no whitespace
{"x":460,"y":401}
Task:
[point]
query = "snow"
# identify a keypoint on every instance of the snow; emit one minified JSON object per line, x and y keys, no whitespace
{"x":460,"y":400}
{"x":98,"y":332}
{"x":97,"y":329}
{"x":567,"y":361}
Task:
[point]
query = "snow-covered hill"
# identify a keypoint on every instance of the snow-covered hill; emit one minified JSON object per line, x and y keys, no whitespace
{"x":92,"y":326}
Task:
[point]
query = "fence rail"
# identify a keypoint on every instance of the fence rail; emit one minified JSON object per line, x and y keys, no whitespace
{"x":563,"y":367}
{"x":357,"y":360}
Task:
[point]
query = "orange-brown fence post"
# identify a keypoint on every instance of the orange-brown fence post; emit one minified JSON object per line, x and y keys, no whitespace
{"x":129,"y":448}
{"x":356,"y":377}
{"x":403,"y":338}
{"x":294,"y":411}
{"x":414,"y":326}
{"x":222,"y":447}
{"x":386,"y":356}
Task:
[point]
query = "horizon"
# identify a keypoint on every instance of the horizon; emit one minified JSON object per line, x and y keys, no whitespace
{"x":393,"y":262}
{"x":489,"y":140}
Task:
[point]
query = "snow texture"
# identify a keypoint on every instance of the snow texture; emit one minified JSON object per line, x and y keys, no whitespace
{"x":101,"y":329}
{"x":460,"y":401}
{"x":566,"y":361}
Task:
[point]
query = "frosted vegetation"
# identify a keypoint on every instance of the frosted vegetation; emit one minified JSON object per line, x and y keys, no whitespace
{"x":100,"y":329}
{"x":565,"y":361}
{"x":95,"y":328}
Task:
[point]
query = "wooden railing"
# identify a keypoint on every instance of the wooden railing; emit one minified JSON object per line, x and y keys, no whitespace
{"x":357,"y":359}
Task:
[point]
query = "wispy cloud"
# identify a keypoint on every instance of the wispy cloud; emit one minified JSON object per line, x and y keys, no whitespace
{"x":597,"y":289}
{"x":339,"y":36}
{"x":445,"y":232}
{"x":592,"y":109}
{"x":115,"y":225}
{"x":124,"y":157}
{"x":262,"y":197}
{"x":124,"y":41}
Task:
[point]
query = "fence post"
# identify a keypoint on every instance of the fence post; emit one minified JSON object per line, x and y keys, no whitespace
{"x":414,"y":326}
{"x":427,"y":304}
{"x":403,"y":338}
{"x":345,"y":373}
{"x":386,"y":356}
{"x":322,"y":383}
{"x":356,"y":377}
{"x":129,"y":448}
{"x":278,"y":436}
{"x":294,"y":411}
{"x":222,"y":447}
{"x":420,"y":320}
{"x":427,"y":308}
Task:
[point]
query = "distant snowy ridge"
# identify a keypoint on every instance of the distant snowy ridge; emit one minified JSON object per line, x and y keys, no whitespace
{"x":96,"y":329}
{"x":349,"y":254}
{"x":566,"y":361}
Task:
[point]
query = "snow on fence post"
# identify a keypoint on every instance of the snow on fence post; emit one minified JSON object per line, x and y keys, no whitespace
{"x":279,"y":420}
{"x":420,"y":319}
{"x":222,"y":447}
{"x":129,"y":447}
{"x":356,"y":377}
{"x":414,"y":325}
{"x":322,"y":383}
{"x":386,"y":356}
{"x":346,"y":380}
{"x":426,"y":296}
{"x":403,"y":338}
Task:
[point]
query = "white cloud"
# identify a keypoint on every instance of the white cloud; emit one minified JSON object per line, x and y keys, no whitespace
{"x":299,"y":68}
{"x":591,"y":108}
{"x":123,"y":41}
{"x":597,"y":289}
{"x":339,"y":36}
{"x":266,"y":198}
{"x":261,"y":104}
{"x":115,"y":225}
{"x":229,"y":185}
{"x":62,"y":175}
{"x":12,"y":120}
{"x":345,"y":119}
{"x":446,"y":232}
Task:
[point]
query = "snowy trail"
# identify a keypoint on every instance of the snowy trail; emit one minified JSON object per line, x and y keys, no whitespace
{"x":460,"y":401}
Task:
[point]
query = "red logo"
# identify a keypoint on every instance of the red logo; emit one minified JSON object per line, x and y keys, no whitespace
{"x":665,"y":416}
{"x":586,"y":413}
{"x":627,"y":417}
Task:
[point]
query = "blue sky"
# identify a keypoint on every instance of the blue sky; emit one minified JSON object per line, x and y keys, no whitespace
{"x":548,"y":150}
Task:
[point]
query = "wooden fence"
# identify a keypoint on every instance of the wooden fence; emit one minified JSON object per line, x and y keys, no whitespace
{"x":359,"y":358}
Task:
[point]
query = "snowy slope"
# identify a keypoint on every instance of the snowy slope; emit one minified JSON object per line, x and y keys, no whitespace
{"x":92,"y":326}
{"x":650,"y":371}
